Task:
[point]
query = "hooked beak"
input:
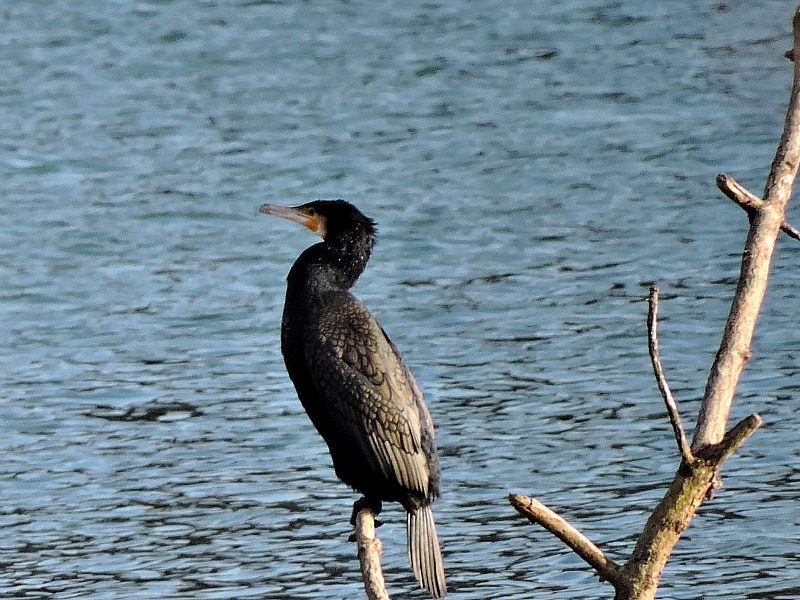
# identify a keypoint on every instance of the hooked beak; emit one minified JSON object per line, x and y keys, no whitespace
{"x":298,"y":214}
{"x":284,"y":212}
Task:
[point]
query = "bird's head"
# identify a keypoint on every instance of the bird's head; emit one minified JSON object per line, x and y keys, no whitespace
{"x":329,"y":219}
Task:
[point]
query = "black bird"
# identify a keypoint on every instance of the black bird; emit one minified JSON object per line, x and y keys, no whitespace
{"x":353,"y":383}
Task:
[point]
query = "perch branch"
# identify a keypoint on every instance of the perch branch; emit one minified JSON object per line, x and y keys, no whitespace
{"x":369,"y":555}
{"x":672,"y":407}
{"x":538,"y":513}
{"x":749,"y":201}
{"x":765,"y":221}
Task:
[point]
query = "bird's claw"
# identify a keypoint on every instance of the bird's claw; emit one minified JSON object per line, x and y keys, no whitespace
{"x":374,"y":505}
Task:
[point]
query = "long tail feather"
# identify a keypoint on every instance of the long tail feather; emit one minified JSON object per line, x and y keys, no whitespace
{"x":424,"y":552}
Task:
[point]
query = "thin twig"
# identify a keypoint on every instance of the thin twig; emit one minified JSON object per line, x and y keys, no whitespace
{"x":369,"y":555}
{"x":749,"y":201}
{"x":538,"y":513}
{"x":663,"y":386}
{"x":792,"y":232}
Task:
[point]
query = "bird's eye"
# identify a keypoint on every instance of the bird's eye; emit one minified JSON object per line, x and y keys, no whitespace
{"x":311,"y":212}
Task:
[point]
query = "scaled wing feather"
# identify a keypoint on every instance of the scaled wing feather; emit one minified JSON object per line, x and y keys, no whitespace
{"x":377,"y":394}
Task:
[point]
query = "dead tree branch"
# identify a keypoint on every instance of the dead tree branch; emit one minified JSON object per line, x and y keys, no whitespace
{"x":697,"y":474}
{"x":749,"y":201}
{"x":719,"y":453}
{"x":580,"y":544}
{"x":766,"y":220}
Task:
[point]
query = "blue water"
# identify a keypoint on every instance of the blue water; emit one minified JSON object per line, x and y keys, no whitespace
{"x":533,"y":168}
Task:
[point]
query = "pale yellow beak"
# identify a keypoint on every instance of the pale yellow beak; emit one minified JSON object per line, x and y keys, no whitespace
{"x":306,"y":217}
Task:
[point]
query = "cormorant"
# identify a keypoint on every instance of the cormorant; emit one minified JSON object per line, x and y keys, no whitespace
{"x":353,"y":383}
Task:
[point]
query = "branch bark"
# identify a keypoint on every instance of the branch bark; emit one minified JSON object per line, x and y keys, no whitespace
{"x":749,"y":201}
{"x":697,"y":474}
{"x":559,"y":527}
{"x":369,"y":555}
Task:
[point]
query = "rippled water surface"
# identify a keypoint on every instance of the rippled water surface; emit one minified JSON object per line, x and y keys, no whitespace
{"x":533,"y":167}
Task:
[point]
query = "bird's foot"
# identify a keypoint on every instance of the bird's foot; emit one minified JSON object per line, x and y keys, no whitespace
{"x":374,"y":505}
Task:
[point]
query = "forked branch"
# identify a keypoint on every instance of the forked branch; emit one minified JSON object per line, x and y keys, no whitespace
{"x":697,"y":475}
{"x":749,"y":201}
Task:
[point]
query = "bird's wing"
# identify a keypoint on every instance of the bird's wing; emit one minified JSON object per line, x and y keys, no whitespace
{"x":359,"y":372}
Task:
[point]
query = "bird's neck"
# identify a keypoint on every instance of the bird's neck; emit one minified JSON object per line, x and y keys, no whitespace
{"x":327,"y":267}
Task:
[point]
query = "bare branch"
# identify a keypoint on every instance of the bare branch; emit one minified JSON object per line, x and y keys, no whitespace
{"x":765,"y":222}
{"x":698,"y":473}
{"x":537,"y":512}
{"x":663,"y":386}
{"x":738,"y":193}
{"x":369,"y":555}
{"x":784,"y":167}
{"x":792,"y":232}
{"x":748,"y":201}
{"x":719,"y":453}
